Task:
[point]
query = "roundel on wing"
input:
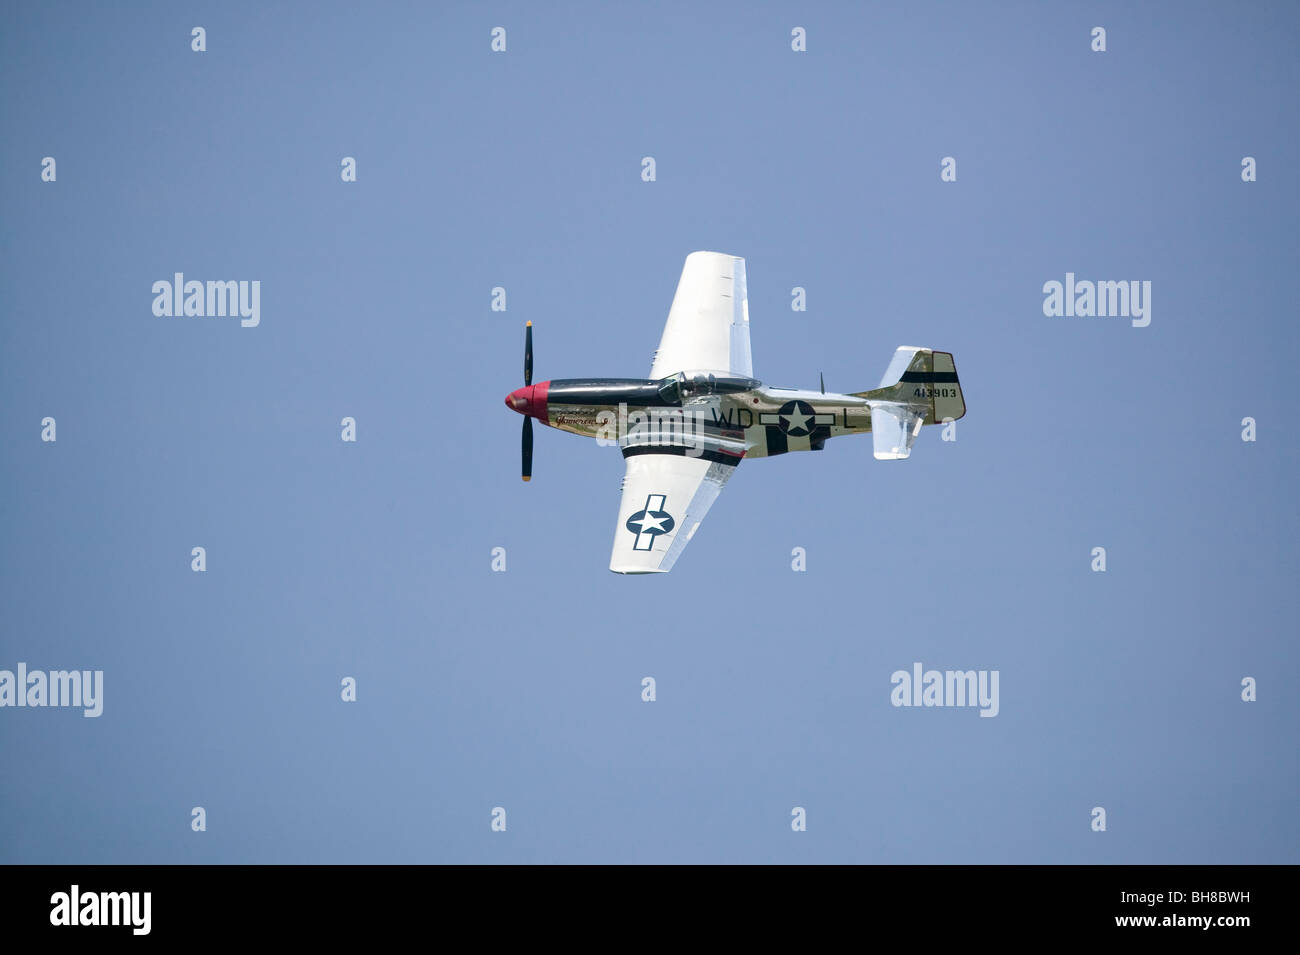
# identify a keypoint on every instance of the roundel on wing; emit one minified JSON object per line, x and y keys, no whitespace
{"x":649,"y":522}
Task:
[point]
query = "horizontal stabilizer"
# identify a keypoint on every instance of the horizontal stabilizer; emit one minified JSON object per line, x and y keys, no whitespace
{"x":893,"y":429}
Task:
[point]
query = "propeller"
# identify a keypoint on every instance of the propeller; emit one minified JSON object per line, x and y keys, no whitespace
{"x":823,"y":378}
{"x":527,"y":444}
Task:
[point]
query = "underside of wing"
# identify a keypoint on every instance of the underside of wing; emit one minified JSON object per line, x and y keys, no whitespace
{"x":665,"y":497}
{"x":708,"y":324}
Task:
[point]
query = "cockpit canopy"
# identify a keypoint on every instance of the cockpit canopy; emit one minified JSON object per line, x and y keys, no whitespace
{"x":687,"y":386}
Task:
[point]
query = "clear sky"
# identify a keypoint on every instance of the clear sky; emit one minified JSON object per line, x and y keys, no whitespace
{"x":522,"y":689}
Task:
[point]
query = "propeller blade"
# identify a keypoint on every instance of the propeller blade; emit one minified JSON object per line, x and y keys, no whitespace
{"x":528,"y":448}
{"x":528,"y":354}
{"x":823,"y":378}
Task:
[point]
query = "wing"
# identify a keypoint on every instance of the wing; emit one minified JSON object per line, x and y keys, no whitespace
{"x":708,"y":324}
{"x":665,"y":496}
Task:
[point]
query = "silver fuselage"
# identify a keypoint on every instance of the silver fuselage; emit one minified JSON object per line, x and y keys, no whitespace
{"x":735,"y":417}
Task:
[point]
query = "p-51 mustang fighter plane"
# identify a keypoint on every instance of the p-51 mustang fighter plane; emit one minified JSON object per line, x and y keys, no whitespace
{"x":684,"y":429}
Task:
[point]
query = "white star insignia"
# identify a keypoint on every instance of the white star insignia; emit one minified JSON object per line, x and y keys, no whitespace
{"x":797,"y":416}
{"x":649,"y":523}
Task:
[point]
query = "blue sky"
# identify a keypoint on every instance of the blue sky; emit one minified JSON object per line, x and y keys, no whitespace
{"x":522,"y":689}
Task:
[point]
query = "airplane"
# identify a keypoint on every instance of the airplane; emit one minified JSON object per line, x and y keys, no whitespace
{"x":684,"y":429}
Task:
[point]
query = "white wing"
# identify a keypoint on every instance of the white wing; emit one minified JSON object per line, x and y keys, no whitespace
{"x":708,"y":324}
{"x":665,"y":496}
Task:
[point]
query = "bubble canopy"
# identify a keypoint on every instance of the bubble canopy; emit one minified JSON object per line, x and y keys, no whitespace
{"x":702,"y":382}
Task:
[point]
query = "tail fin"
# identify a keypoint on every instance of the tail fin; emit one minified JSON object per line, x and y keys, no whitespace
{"x":919,"y":387}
